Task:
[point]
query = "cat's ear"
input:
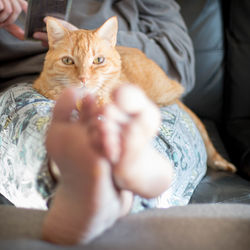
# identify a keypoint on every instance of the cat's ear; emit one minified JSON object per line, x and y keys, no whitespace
{"x":56,"y":31}
{"x":108,"y":30}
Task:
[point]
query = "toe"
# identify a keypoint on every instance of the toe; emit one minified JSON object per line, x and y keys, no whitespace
{"x":130,"y":99}
{"x":88,"y":108}
{"x":135,"y":104}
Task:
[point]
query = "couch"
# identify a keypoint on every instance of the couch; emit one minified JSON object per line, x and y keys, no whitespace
{"x":208,"y":23}
{"x":225,"y":222}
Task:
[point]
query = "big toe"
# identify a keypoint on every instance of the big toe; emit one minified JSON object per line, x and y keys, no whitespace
{"x":133,"y":102}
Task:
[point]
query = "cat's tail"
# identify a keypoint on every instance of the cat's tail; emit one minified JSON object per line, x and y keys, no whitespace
{"x":214,"y":159}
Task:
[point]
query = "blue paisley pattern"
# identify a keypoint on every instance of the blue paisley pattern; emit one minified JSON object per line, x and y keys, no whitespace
{"x":24,"y":117}
{"x":25,"y":179}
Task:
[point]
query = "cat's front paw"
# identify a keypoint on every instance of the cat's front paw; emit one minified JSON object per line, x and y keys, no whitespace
{"x":219,"y":163}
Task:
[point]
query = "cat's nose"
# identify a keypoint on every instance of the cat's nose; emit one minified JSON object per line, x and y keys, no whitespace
{"x":83,"y":79}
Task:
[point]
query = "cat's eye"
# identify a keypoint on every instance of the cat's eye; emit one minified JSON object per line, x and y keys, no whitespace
{"x":67,"y":60}
{"x":99,"y":60}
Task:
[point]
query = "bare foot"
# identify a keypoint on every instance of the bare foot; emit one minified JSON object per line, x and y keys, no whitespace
{"x":132,"y":122}
{"x":86,"y":201}
{"x":100,"y":155}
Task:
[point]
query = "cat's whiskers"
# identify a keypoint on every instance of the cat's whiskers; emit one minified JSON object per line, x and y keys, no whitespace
{"x":61,"y":80}
{"x":64,"y":81}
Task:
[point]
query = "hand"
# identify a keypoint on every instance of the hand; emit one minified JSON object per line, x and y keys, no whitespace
{"x":9,"y":12}
{"x":42,"y":36}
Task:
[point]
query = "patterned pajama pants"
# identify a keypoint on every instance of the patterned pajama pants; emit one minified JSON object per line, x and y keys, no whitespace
{"x":24,"y":177}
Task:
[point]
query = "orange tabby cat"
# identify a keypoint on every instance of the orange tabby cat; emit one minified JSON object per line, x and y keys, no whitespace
{"x":90,"y":58}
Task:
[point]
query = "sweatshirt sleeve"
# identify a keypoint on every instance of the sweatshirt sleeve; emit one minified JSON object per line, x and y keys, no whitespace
{"x":159,"y":31}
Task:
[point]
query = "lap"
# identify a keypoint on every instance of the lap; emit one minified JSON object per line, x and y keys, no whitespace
{"x":25,"y":115}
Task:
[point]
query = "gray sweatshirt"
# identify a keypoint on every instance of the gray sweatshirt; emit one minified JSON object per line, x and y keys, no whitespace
{"x":156,"y":27}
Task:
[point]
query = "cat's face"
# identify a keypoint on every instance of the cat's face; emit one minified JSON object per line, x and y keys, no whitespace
{"x":82,"y":58}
